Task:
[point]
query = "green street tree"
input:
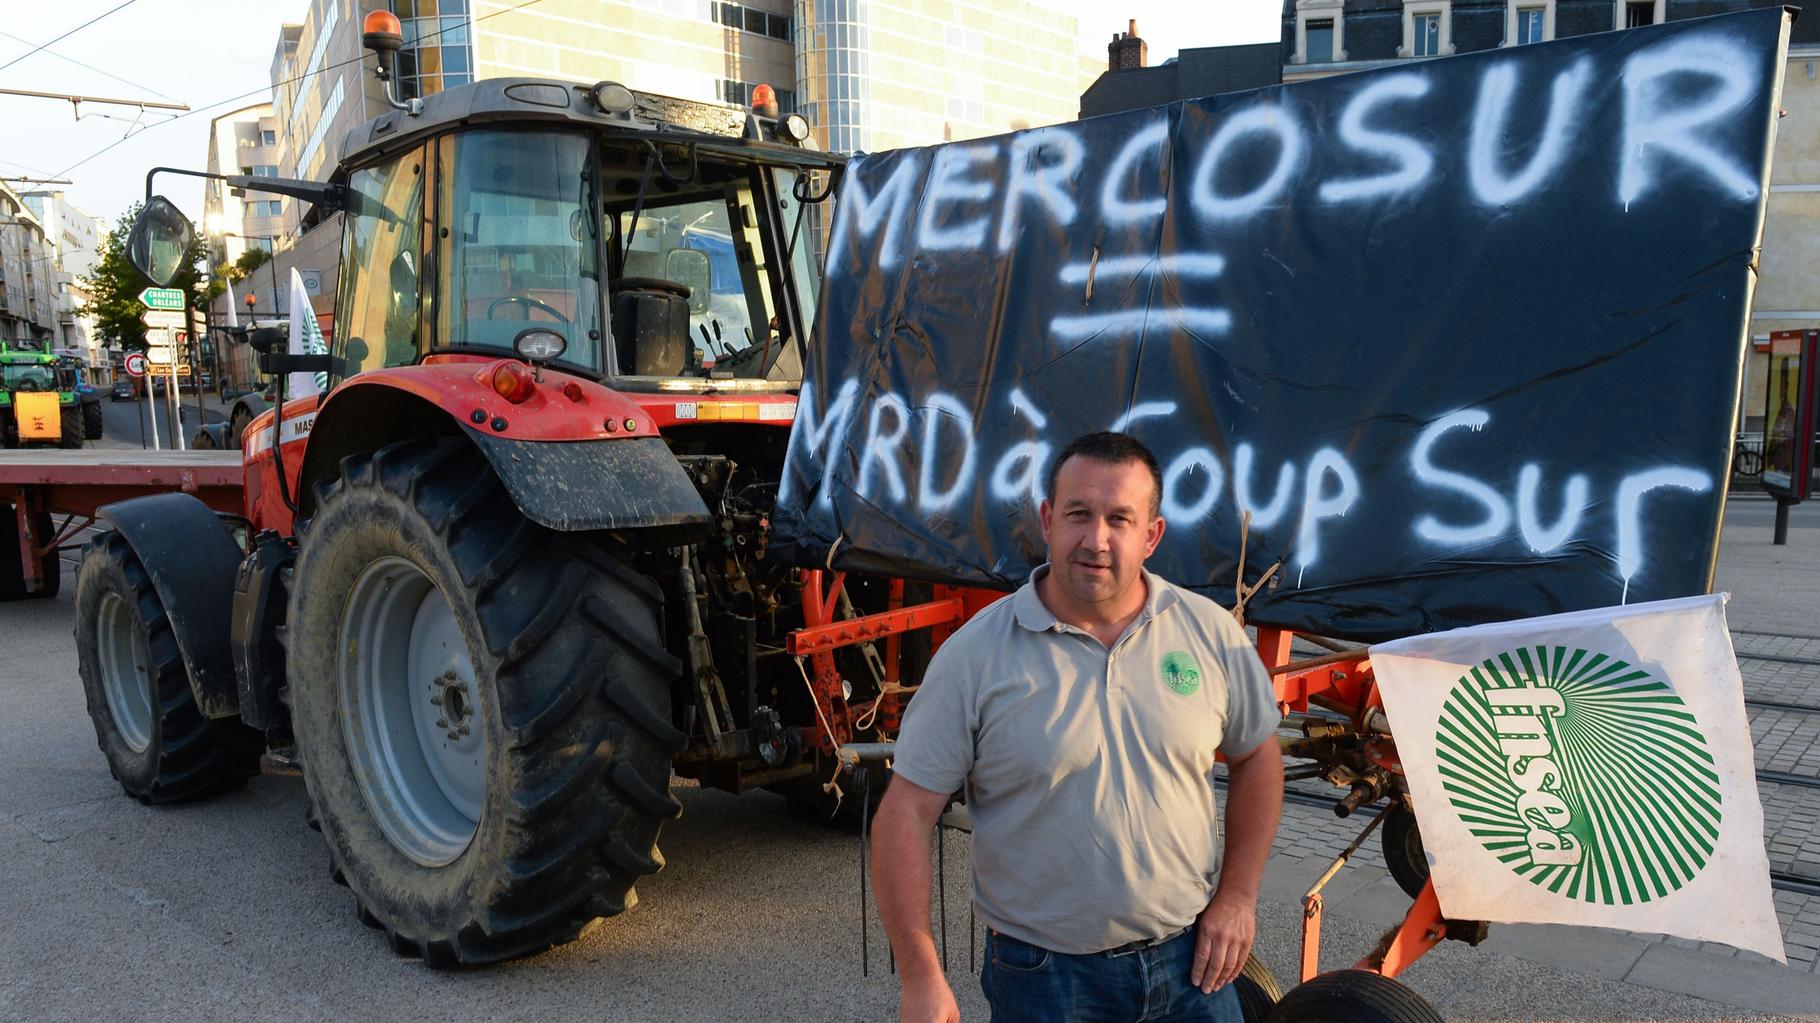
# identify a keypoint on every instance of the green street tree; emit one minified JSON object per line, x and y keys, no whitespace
{"x":114,"y":286}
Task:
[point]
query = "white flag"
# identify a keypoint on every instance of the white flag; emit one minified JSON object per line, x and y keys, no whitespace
{"x":1592,"y":768}
{"x":233,"y":317}
{"x":305,"y":339}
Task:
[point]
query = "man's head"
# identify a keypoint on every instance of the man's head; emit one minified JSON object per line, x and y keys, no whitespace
{"x":1100,"y":518}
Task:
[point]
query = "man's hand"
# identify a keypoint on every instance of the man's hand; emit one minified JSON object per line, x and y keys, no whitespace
{"x":901,"y":868}
{"x":1222,"y":939}
{"x":927,"y":999}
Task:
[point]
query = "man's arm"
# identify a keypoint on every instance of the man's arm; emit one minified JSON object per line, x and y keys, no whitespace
{"x":901,"y":872}
{"x":1254,"y":803}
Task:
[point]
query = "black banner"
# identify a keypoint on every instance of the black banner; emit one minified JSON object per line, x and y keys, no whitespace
{"x":1465,"y":336}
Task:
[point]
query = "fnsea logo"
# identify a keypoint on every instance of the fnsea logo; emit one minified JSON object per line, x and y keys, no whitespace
{"x":1181,"y":673}
{"x":1583,"y":773}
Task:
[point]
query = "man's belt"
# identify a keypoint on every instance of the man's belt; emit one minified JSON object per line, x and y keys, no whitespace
{"x":1141,"y":944}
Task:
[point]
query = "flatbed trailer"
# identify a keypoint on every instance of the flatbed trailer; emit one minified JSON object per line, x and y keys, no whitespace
{"x":66,"y":488}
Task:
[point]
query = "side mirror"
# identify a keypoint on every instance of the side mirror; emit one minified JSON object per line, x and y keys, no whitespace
{"x":159,"y":241}
{"x":267,"y":340}
{"x":691,"y":267}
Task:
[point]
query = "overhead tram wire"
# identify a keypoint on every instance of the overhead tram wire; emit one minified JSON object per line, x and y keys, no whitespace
{"x":42,"y":46}
{"x":267,"y":90}
{"x":90,"y":67}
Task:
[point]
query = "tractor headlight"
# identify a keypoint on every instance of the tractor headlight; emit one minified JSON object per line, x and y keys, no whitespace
{"x":793,"y":128}
{"x":539,"y":345}
{"x":612,"y":97}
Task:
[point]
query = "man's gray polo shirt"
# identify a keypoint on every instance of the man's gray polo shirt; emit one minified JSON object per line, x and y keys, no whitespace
{"x":1089,"y":772}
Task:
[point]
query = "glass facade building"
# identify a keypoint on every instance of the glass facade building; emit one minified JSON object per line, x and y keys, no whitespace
{"x":438,"y":52}
{"x":833,"y":71}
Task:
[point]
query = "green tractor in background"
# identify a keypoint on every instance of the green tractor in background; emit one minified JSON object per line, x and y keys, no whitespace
{"x":29,"y":371}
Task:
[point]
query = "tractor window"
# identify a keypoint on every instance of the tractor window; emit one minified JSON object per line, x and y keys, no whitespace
{"x":382,"y":251}
{"x":29,"y":377}
{"x":521,"y":247}
{"x":710,"y":244}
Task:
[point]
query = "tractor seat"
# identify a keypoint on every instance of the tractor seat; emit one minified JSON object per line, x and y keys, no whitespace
{"x":651,"y":326}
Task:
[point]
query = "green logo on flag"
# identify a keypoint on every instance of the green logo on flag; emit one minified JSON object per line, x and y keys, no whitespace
{"x":1181,"y":673}
{"x":1585,"y":775}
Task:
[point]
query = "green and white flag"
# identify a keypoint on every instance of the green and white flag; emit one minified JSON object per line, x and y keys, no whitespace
{"x":305,"y":339}
{"x":1591,"y":768}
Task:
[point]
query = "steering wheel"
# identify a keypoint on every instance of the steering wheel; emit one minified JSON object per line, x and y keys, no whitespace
{"x":528,"y":303}
{"x":677,"y":288}
{"x":28,"y":384}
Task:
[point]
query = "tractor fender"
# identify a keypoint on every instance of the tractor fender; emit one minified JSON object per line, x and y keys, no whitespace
{"x":212,"y":436}
{"x":559,"y":464}
{"x":191,"y":558}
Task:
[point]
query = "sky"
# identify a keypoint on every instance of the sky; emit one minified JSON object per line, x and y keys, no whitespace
{"x":211,"y":54}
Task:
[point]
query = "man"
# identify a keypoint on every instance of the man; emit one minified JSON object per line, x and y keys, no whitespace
{"x":1083,"y":714}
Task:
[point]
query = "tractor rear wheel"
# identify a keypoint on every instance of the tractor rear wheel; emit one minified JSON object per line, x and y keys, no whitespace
{"x":71,"y":418}
{"x":481,"y":707}
{"x":93,"y":425}
{"x":1352,"y":996}
{"x":157,"y":743}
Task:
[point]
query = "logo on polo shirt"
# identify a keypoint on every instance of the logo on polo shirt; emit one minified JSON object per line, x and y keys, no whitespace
{"x":1584,"y":773}
{"x":1181,"y":673}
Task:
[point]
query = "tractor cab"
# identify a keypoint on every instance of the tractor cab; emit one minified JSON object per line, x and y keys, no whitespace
{"x":645,"y":242}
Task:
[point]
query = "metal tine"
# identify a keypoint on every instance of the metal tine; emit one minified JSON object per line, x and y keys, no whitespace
{"x":865,"y":805}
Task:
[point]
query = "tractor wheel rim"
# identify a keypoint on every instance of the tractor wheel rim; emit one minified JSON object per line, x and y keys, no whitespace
{"x":126,"y":678}
{"x":412,"y":716}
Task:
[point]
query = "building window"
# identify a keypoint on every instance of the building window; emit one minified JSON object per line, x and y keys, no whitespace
{"x":1320,"y":42}
{"x":1320,"y":32}
{"x":1638,"y":13}
{"x":1427,"y":28}
{"x":1528,"y":21}
{"x":1529,"y":26}
{"x":753,"y":20}
{"x":436,"y":54}
{"x":1426,"y":42}
{"x":268,"y":138}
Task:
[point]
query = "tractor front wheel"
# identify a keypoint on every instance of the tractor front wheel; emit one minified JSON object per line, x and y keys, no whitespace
{"x":481,"y":707}
{"x":93,"y":425}
{"x":71,"y":423}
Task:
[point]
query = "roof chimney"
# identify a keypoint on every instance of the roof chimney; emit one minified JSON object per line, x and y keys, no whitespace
{"x":1127,"y":50}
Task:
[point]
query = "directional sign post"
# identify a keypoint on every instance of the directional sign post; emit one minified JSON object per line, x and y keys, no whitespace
{"x":162,"y":298}
{"x":165,"y":319}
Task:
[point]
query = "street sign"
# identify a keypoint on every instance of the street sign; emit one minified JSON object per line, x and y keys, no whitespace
{"x":135,"y":365}
{"x":158,"y":355}
{"x":162,"y":298}
{"x":166,"y":319}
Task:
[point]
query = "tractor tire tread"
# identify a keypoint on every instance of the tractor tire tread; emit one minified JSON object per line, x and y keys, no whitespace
{"x":190,"y":756}
{"x":571,"y":641}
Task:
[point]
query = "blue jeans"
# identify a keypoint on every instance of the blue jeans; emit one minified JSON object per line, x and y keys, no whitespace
{"x":1027,"y":984}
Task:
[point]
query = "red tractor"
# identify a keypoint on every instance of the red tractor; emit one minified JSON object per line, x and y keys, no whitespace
{"x":508,"y":569}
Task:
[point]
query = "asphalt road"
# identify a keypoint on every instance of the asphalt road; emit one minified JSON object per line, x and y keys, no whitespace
{"x":126,"y":423}
{"x":224,"y":909}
